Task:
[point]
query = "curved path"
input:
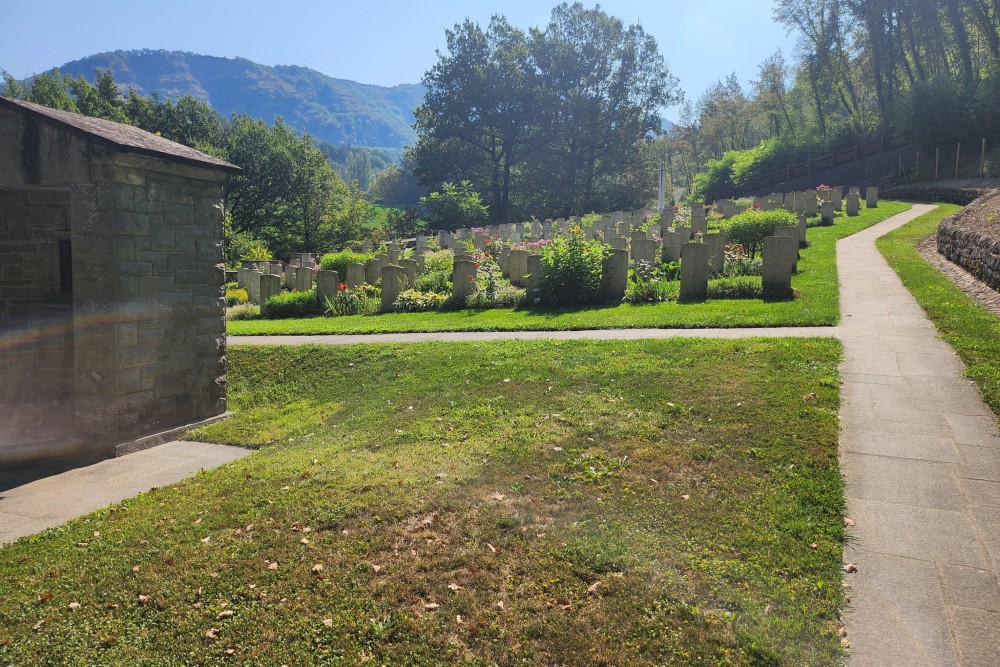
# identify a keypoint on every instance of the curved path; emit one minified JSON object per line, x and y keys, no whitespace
{"x":920,"y":453}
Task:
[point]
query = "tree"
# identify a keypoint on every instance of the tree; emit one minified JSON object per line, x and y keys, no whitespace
{"x":454,"y":207}
{"x":475,"y":119}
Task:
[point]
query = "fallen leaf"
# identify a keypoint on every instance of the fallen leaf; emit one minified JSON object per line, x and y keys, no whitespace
{"x":848,"y":521}
{"x":685,"y":496}
{"x":38,"y":625}
{"x":135,"y":568}
{"x":454,"y":587}
{"x":377,"y":568}
{"x":593,"y":587}
{"x":500,"y":605}
{"x":143,"y":598}
{"x":225,"y":613}
{"x":850,"y":568}
{"x":304,"y":540}
{"x":213,"y":633}
{"x":431,"y":606}
{"x":74,"y":606}
{"x":97,"y":533}
{"x":328,"y":622}
{"x":459,"y":620}
{"x":45,"y":597}
{"x":492,"y":548}
{"x":317,"y":568}
{"x":206,"y":538}
{"x":273,"y":566}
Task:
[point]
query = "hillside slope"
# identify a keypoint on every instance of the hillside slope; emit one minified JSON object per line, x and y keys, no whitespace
{"x":336,"y":111}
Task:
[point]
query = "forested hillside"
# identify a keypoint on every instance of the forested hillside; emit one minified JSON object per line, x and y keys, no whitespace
{"x":335,"y":111}
{"x":926,"y":71}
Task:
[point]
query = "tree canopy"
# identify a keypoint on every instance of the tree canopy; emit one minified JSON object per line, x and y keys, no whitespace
{"x":552,"y":121}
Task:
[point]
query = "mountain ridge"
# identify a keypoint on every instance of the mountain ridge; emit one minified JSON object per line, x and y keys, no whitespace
{"x":336,"y":111}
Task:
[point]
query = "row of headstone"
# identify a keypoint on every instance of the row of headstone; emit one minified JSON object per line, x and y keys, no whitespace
{"x":779,"y":257}
{"x":806,"y":202}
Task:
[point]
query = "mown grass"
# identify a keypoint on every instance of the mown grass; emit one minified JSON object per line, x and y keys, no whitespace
{"x":970,"y":329}
{"x":817,"y":303}
{"x":516,"y":503}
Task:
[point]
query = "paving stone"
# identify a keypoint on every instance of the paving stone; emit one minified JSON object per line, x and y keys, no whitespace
{"x":888,"y":479}
{"x":970,"y":587}
{"x":978,"y":639}
{"x":903,"y":444}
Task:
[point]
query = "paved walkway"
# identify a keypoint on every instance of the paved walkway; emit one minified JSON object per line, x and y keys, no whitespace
{"x":921,"y":455}
{"x":36,"y":496}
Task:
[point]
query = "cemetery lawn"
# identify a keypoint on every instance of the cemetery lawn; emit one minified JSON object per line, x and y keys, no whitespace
{"x":972,"y":330}
{"x":670,"y":502}
{"x":816,"y":305}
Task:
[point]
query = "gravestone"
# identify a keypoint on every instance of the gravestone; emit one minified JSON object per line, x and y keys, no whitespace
{"x":392,"y":285}
{"x":855,"y":190}
{"x":392,"y":253}
{"x":614,"y":281}
{"x":355,"y":274}
{"x":871,"y":197}
{"x":836,"y":196}
{"x":792,"y":233}
{"x":243,"y":277}
{"x":778,"y":264}
{"x":463,"y":278}
{"x":373,"y":271}
{"x":699,"y":223}
{"x":303,"y":280}
{"x":410,"y":268}
{"x":694,"y":272}
{"x":290,"y":276}
{"x":667,"y":216}
{"x":367,"y":247}
{"x":270,"y":285}
{"x":672,"y":242}
{"x":534,"y":280}
{"x":644,"y":250}
{"x":803,"y":226}
{"x":853,"y":204}
{"x":327,"y":283}
{"x":716,"y":251}
{"x":811,"y":203}
{"x":619,"y":242}
{"x":517,"y":266}
{"x":826,"y":213}
{"x":253,"y":286}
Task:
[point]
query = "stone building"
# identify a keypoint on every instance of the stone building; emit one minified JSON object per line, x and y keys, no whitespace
{"x":111,"y":284}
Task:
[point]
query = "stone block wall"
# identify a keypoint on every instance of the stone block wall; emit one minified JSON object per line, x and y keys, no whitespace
{"x":138,"y":345}
{"x":971,"y":239}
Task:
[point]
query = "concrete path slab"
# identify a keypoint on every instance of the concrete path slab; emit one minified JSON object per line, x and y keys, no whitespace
{"x":921,"y":455}
{"x":36,"y":496}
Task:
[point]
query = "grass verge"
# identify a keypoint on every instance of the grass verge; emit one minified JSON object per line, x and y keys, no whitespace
{"x":970,"y":329}
{"x":516,"y":503}
{"x":816,"y":305}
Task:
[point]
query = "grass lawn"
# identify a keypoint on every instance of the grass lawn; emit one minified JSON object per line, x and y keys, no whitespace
{"x":972,"y":330}
{"x":518,"y":503}
{"x":817,"y":304}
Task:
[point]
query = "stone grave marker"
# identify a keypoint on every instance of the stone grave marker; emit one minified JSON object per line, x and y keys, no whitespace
{"x":615,"y":275}
{"x":853,"y":204}
{"x":392,"y":285}
{"x":463,"y":277}
{"x":410,"y":268}
{"x":327,"y":283}
{"x":792,"y":233}
{"x":517,"y":266}
{"x":716,"y":251}
{"x":826,"y":213}
{"x":253,"y":286}
{"x":303,"y":279}
{"x":373,"y":271}
{"x":644,"y":250}
{"x":290,"y":271}
{"x":270,"y":285}
{"x":694,"y":272}
{"x":672,"y":242}
{"x":871,"y":197}
{"x":811,"y":203}
{"x":778,"y":263}
{"x":355,"y":274}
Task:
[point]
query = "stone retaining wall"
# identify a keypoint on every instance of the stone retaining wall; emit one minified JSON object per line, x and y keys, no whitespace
{"x":971,"y":239}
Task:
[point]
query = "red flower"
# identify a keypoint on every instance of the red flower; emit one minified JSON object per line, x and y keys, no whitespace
{"x":342,"y":287}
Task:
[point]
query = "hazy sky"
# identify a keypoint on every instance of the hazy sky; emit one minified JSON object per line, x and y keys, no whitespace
{"x":382,"y":42}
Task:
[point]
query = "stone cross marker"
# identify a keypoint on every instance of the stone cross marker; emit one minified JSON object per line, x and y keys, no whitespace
{"x":694,"y":272}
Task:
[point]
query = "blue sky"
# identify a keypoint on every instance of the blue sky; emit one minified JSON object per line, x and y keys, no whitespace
{"x":382,"y":42}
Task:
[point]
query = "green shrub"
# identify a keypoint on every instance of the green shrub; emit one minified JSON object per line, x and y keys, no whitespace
{"x":434,"y":281}
{"x":338,"y":261}
{"x":293,"y":304}
{"x":454,"y":206}
{"x":743,"y":287}
{"x":571,"y":270}
{"x":750,"y":228}
{"x":414,"y":301}
{"x":504,"y":296}
{"x":243,"y":311}
{"x":357,"y":301}
{"x":236,"y":296}
{"x":651,"y":291}
{"x":439,"y":260}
